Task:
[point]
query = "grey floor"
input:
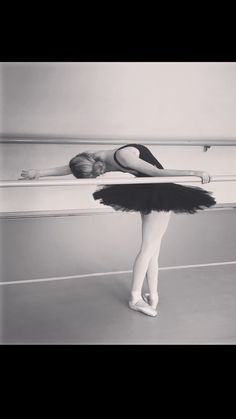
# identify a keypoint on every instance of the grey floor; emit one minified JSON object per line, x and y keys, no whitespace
{"x":197,"y":306}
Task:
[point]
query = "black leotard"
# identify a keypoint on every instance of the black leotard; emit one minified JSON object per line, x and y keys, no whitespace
{"x":145,"y":154}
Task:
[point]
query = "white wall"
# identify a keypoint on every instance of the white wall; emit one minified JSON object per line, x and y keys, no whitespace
{"x":120,"y":99}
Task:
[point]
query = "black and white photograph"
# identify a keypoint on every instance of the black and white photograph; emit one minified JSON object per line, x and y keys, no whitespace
{"x":118,"y":203}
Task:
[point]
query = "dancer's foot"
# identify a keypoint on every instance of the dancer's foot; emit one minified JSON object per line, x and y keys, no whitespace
{"x":152,"y":301}
{"x":143,"y":307}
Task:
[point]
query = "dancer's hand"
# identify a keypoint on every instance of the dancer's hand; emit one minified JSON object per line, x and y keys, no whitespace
{"x":30,"y":174}
{"x":205,"y":177}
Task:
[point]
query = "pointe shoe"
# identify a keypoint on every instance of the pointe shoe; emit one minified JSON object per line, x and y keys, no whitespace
{"x":146,"y":298}
{"x":143,"y":307}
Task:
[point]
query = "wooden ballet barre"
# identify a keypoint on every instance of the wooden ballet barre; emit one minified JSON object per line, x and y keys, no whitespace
{"x":113,"y":181}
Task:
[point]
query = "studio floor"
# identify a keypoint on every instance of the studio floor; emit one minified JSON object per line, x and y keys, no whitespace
{"x":196,"y":306}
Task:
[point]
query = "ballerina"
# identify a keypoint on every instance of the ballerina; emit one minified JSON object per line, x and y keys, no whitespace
{"x":155,"y":202}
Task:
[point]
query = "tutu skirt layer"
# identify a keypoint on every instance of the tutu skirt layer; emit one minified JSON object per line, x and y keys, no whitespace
{"x":155,"y":197}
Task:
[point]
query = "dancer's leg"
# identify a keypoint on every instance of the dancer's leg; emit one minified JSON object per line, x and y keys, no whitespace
{"x":153,"y":227}
{"x":152,"y":272}
{"x":152,"y":279}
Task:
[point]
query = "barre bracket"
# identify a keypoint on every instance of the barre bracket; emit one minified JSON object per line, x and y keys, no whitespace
{"x":205,"y":147}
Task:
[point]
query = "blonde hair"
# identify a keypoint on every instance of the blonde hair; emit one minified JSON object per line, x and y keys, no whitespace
{"x":85,"y":166}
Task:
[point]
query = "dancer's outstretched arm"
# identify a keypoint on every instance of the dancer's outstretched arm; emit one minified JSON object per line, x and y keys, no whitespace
{"x":35,"y":173}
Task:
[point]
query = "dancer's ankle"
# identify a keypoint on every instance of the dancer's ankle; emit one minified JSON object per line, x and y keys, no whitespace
{"x":153,"y":295}
{"x":135,"y":296}
{"x":153,"y":299}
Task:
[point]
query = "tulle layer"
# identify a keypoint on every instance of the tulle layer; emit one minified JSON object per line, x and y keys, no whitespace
{"x":155,"y":197}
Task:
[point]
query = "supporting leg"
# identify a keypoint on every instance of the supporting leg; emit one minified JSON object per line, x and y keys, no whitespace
{"x":153,"y":227}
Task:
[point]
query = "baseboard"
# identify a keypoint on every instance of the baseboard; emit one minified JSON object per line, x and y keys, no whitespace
{"x":90,"y":211}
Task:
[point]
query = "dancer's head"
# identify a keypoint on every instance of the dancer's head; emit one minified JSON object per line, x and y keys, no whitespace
{"x":84,"y":165}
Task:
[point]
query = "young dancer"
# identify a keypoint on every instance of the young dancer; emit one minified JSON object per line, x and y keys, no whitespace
{"x":154,"y":202}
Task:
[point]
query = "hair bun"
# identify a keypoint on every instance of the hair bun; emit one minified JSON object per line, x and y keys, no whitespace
{"x":97,"y":166}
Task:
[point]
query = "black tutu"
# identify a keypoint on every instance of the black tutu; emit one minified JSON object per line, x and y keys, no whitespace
{"x":155,"y":197}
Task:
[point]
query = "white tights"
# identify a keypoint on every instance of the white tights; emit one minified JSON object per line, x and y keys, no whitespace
{"x":154,"y":226}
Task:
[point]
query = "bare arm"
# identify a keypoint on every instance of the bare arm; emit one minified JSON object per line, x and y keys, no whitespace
{"x":56,"y":171}
{"x":129,"y":159}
